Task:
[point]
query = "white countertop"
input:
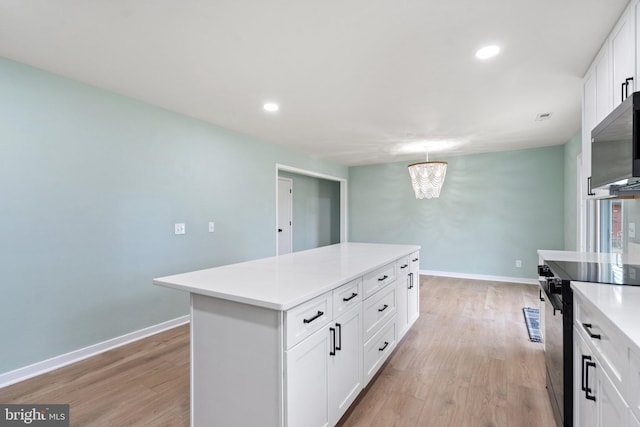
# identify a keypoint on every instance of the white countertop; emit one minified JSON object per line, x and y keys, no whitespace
{"x":620,"y":304}
{"x":548,"y":255}
{"x":285,"y":281}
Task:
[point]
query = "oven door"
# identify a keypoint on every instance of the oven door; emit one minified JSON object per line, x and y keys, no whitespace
{"x":554,"y":354}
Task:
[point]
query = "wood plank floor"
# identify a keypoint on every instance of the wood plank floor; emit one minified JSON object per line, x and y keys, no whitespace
{"x":466,"y":362}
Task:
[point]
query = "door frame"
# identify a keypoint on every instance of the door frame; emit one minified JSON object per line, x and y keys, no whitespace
{"x":343,"y":196}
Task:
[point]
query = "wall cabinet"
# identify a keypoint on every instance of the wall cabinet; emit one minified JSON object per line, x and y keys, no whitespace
{"x":610,"y":78}
{"x":623,"y":62}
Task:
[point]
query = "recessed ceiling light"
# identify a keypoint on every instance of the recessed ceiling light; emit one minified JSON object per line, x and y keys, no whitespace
{"x":271,"y":107}
{"x":488,"y":52}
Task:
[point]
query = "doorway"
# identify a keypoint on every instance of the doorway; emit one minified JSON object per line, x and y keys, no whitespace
{"x":318,"y":209}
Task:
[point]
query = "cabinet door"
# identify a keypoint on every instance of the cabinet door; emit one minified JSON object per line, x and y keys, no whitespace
{"x":345,"y":366}
{"x":612,"y":409}
{"x":414,"y":289}
{"x":623,"y":57}
{"x":596,"y":104}
{"x":306,"y":380}
{"x":402,"y":289}
{"x":584,"y":384}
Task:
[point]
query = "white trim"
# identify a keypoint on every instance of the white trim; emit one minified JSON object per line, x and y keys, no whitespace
{"x":56,"y":362}
{"x":522,"y":280}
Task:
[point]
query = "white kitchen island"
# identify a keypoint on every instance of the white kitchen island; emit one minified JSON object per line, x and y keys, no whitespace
{"x":292,"y":340}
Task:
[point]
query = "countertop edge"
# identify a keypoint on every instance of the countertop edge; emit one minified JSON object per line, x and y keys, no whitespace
{"x":289,"y":303}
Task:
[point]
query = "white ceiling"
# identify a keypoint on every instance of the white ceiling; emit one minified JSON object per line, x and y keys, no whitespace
{"x":356,"y":80}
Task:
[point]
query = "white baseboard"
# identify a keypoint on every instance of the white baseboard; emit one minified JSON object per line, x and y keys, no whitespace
{"x":56,"y":362}
{"x":522,"y":280}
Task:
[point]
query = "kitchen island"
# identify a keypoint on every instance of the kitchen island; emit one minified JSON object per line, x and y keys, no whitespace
{"x":292,"y":340}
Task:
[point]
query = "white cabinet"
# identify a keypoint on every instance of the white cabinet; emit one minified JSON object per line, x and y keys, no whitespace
{"x":596,"y":104}
{"x":345,"y":363}
{"x":307,"y":389}
{"x":623,"y":51}
{"x":600,"y":375}
{"x":584,"y":390}
{"x":407,"y":292}
{"x":413,"y":304}
{"x":402,"y":294}
{"x":324,"y":371}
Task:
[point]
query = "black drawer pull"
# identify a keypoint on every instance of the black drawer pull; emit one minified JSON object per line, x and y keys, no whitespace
{"x":415,"y":259}
{"x":587,"y":327}
{"x":383,"y":308}
{"x":584,"y":358}
{"x":320,"y":313}
{"x":404,"y":266}
{"x":353,"y":295}
{"x":339,"y":329}
{"x":383,"y":278}
{"x":386,"y":343}
{"x":540,"y":291}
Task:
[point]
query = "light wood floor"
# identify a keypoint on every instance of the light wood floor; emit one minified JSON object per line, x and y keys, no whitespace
{"x":466,"y":362}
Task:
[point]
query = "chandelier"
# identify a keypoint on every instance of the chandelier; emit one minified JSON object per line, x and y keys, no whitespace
{"x":427,"y":178}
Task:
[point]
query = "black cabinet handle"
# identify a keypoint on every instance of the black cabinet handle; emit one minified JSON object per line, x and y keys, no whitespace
{"x":339,"y":328}
{"x":386,"y":343}
{"x":622,"y":91}
{"x":587,"y":388}
{"x":587,"y":327}
{"x":540,"y":292}
{"x":353,"y":295}
{"x":333,"y":351}
{"x":626,"y":87}
{"x":383,"y":308}
{"x":410,"y":280}
{"x":556,"y":309}
{"x":320,"y":313}
{"x":415,"y":259}
{"x":279,"y":230}
{"x":584,"y":358}
{"x":589,"y":192}
{"x":383,"y":278}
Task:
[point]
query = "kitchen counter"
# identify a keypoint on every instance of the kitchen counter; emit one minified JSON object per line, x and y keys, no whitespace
{"x":550,"y":255}
{"x":284,"y":281}
{"x":619,"y":304}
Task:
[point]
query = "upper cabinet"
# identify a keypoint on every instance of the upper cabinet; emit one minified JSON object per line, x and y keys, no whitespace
{"x":623,"y":52}
{"x":612,"y":76}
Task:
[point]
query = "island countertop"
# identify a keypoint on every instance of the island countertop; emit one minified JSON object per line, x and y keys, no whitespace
{"x":284,"y":281}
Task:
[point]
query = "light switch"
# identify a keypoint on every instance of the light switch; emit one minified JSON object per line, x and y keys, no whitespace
{"x":180,"y":228}
{"x":211,"y":227}
{"x":518,"y":263}
{"x":632,"y":229}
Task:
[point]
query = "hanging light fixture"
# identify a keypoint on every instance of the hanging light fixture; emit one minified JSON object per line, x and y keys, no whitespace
{"x":427,"y":178}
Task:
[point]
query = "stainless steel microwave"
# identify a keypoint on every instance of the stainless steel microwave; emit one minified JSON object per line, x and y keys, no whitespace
{"x":615,"y":150}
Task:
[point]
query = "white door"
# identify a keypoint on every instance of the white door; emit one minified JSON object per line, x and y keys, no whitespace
{"x":285,"y":212}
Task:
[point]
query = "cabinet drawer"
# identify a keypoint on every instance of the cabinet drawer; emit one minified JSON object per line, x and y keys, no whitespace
{"x":378,"y":310}
{"x":378,"y":279}
{"x":347,"y":296}
{"x":305,"y":319}
{"x":378,"y":348}
{"x":605,"y":339}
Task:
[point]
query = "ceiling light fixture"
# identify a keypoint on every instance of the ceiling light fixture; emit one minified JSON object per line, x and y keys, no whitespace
{"x":488,"y":52}
{"x":427,"y":178}
{"x":271,"y":107}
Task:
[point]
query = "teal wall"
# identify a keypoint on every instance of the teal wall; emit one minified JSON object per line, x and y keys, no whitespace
{"x":494,"y":208}
{"x":316,"y":211}
{"x":91,"y":184}
{"x":572,"y":148}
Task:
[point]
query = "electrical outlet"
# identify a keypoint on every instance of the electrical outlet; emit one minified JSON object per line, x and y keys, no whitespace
{"x":632,"y":230}
{"x":180,"y":228}
{"x":518,"y":263}
{"x":211,"y":227}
